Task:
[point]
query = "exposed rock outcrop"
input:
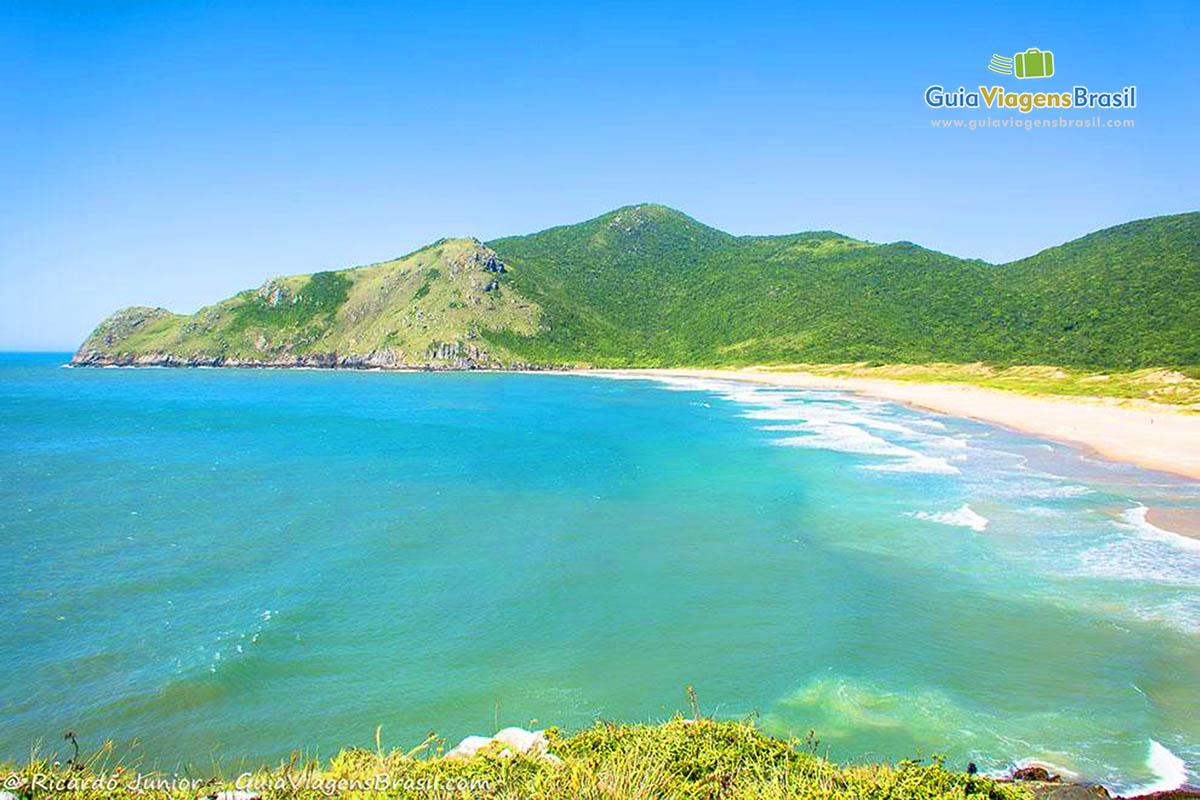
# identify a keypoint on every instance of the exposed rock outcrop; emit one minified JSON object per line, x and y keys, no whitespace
{"x":1035,"y":773}
{"x":1066,"y":791}
{"x":1044,"y":784}
{"x":120,"y":326}
{"x":507,"y":743}
{"x":445,"y":356}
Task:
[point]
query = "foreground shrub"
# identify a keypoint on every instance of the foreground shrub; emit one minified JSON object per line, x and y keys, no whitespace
{"x":681,"y":758}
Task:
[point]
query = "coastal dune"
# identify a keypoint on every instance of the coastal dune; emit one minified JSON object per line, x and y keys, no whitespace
{"x":1164,"y":440}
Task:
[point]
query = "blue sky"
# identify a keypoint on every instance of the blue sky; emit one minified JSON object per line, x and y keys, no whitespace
{"x":173,"y":153}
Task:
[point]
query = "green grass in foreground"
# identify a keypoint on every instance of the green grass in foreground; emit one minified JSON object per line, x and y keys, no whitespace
{"x":675,"y":759}
{"x":1173,"y":387}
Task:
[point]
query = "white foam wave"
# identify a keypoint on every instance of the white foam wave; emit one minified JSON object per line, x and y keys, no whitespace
{"x":1136,"y":518}
{"x":816,"y":416}
{"x":1146,"y":554}
{"x":1149,"y":555}
{"x":852,"y":439}
{"x":1045,"y":513}
{"x":777,"y":413}
{"x":1170,"y":769}
{"x":1183,"y":615}
{"x":684,"y":384}
{"x":850,"y":430}
{"x":836,"y":421}
{"x":1139,"y":561}
{"x":964,"y":517}
{"x":846,"y":439}
{"x":929,"y":465}
{"x":1051,"y":492}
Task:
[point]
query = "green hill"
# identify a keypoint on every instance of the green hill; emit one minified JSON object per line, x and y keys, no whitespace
{"x":648,"y":286}
{"x":1123,"y":297}
{"x":429,"y":308}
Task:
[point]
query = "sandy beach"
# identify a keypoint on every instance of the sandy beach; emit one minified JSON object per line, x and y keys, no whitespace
{"x":1181,"y":521}
{"x":1155,"y":439}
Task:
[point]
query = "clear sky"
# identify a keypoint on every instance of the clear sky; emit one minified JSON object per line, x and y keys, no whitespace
{"x":172,"y":153}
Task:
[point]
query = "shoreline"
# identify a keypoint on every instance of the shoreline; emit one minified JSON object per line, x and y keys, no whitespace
{"x":1164,"y":441}
{"x":1158,"y":439}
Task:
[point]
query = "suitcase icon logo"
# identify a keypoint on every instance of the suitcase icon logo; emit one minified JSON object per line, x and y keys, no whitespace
{"x":1033,"y":63}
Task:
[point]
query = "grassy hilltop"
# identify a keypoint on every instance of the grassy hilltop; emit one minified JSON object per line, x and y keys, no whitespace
{"x":649,"y":286}
{"x":429,"y":307}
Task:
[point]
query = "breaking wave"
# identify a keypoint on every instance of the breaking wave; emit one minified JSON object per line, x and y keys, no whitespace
{"x":964,"y":517}
{"x":1171,"y":771}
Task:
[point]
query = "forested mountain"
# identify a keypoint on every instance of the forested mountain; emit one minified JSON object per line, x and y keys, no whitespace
{"x":649,"y":286}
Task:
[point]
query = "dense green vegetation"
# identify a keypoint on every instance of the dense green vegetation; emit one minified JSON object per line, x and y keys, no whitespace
{"x":425,"y":308}
{"x":648,"y":286}
{"x":1160,"y":386}
{"x":1126,"y":297}
{"x":312,"y":306}
{"x":676,"y":759}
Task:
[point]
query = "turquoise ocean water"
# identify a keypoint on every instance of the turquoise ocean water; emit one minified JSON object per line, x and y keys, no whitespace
{"x":223,"y":563}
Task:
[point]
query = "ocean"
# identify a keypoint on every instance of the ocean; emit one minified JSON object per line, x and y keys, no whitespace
{"x":232,"y":565}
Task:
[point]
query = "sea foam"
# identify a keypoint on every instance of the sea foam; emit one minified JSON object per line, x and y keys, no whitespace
{"x":833,"y":420}
{"x":929,"y":465}
{"x":1144,"y":553}
{"x":850,"y":426}
{"x":1136,"y":518}
{"x":1060,"y":492}
{"x":964,"y":517}
{"x":846,"y":439}
{"x":1170,"y":769}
